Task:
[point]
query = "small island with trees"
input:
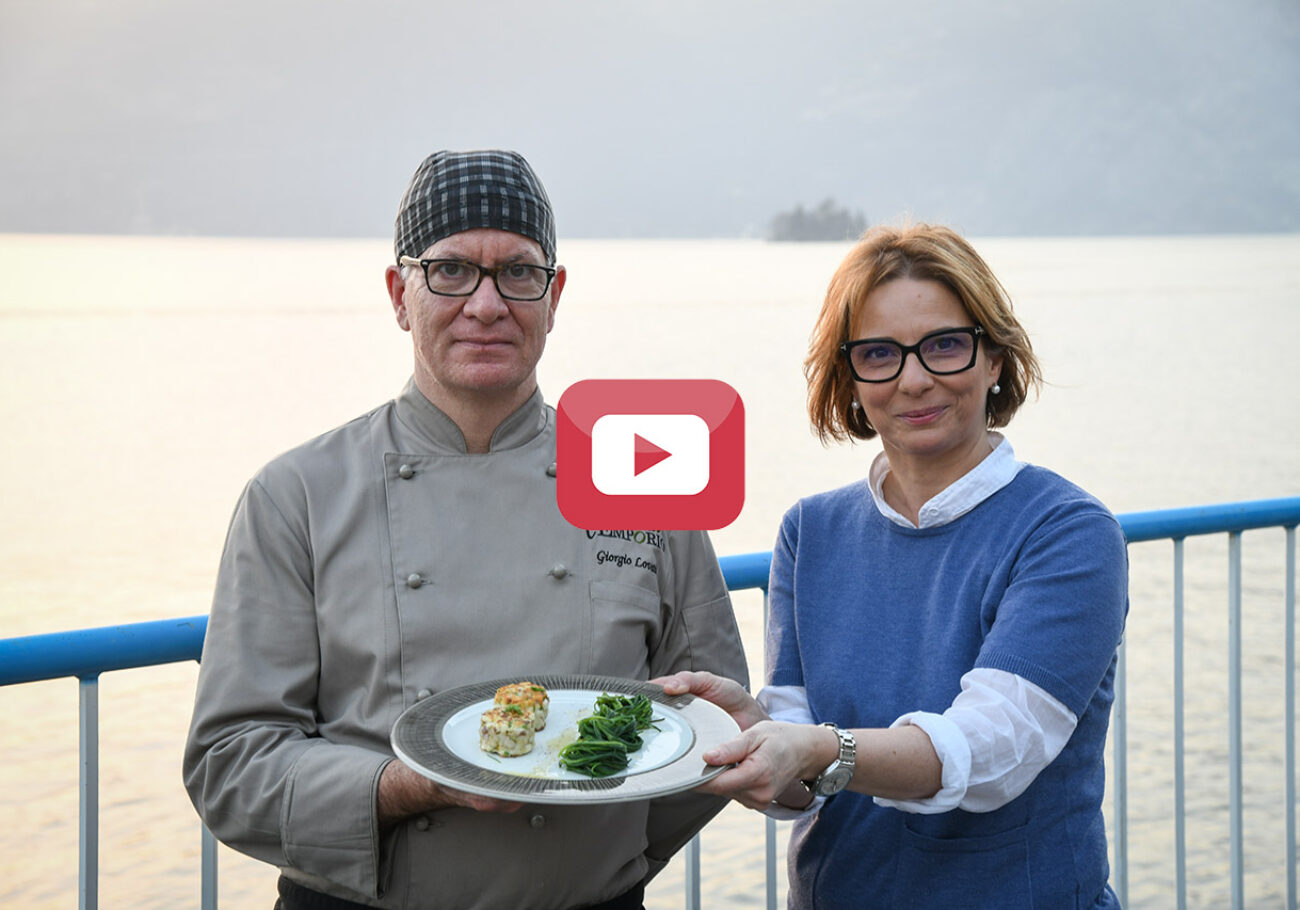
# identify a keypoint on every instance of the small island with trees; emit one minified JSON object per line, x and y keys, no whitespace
{"x":828,"y":221}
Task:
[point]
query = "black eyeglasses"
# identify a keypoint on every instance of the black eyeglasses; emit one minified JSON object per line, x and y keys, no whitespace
{"x":943,"y":353}
{"x":458,"y":278}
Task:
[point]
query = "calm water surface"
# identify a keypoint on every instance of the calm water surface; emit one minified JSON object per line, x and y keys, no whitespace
{"x":142,"y":386}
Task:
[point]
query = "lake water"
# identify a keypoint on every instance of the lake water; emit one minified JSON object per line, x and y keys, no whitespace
{"x":143,"y":380}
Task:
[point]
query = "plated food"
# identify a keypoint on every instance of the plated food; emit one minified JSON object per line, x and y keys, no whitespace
{"x":528,"y":696}
{"x":509,"y":727}
{"x":506,"y":731}
{"x":608,"y":735}
{"x":439,"y":736}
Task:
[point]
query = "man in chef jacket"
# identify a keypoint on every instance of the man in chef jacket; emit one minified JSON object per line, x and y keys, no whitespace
{"x":419,"y":548}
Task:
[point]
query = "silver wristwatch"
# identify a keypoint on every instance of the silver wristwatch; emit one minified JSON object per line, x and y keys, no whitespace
{"x":839,"y":772}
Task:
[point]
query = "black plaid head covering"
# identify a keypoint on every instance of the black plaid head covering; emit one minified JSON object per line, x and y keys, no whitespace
{"x":457,"y":191}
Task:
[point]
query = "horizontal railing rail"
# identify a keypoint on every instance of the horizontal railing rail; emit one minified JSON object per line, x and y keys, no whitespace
{"x":84,"y":654}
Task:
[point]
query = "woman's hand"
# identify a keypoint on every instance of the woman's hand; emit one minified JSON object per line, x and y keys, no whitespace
{"x":727,"y":694}
{"x":769,"y":757}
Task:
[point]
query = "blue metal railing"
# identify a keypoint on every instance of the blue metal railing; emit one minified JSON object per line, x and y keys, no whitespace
{"x":86,"y":653}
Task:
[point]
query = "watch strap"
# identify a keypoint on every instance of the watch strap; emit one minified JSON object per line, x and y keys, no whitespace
{"x":840,"y":771}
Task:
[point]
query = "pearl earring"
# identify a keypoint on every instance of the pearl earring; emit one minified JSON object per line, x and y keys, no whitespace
{"x":855,"y":406}
{"x":996,"y":389}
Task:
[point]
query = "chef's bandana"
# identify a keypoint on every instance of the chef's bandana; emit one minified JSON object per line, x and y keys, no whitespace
{"x":458,"y":191}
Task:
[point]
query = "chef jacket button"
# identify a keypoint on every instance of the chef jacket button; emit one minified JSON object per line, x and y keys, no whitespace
{"x":406,"y":472}
{"x":550,"y":469}
{"x":422,"y":823}
{"x":559,"y":570}
{"x":422,"y":694}
{"x":538,"y":820}
{"x":414,"y":580}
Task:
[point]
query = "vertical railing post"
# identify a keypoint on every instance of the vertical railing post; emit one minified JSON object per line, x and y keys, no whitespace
{"x":693,"y":874}
{"x":769,"y":862}
{"x":88,"y":821}
{"x":1289,"y":669}
{"x":1235,"y":846}
{"x":208,"y":885}
{"x":1180,"y":774}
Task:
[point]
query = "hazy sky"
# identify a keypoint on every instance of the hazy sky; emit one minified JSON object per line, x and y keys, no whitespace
{"x":672,"y":118}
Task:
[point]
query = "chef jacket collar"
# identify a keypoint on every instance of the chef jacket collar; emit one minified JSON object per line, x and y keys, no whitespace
{"x":421,"y":416}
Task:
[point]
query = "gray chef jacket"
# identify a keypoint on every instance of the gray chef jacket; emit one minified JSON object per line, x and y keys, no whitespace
{"x":379,"y":563}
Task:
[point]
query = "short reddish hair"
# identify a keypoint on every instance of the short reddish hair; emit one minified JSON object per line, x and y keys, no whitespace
{"x":922,"y":252}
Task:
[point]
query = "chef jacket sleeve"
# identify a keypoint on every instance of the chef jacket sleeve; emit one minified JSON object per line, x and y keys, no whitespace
{"x":260,"y":775}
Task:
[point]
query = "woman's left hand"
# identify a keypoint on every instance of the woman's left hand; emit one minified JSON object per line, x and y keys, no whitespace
{"x":727,"y":694}
{"x":769,"y":757}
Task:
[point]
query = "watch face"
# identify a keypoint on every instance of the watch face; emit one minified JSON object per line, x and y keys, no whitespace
{"x":834,"y":781}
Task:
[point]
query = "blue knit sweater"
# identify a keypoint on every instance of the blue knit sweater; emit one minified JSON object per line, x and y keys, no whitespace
{"x":876,"y":620}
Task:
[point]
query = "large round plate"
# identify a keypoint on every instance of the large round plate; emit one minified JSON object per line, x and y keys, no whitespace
{"x":438,"y":737}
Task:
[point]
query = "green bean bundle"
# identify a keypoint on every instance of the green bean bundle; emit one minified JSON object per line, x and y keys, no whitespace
{"x":608,"y":735}
{"x":638,"y":707}
{"x":594,"y":757}
{"x":602,"y":728}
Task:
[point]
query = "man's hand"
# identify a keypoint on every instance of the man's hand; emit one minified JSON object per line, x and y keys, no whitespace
{"x":727,"y":694}
{"x":403,"y":793}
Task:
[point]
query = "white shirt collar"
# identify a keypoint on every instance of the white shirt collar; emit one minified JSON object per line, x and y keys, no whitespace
{"x":997,"y":470}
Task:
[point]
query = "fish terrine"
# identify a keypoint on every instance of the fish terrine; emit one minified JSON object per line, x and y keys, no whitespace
{"x":528,"y":696}
{"x":506,"y":730}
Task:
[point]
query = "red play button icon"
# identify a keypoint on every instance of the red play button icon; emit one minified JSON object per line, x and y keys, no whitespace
{"x":613,"y":476}
{"x":647,"y":454}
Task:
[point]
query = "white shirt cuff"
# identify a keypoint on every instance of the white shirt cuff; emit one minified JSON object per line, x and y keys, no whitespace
{"x":954,"y":754}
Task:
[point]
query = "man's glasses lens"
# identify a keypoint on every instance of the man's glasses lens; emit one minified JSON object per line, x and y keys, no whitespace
{"x":879,"y":360}
{"x":514,"y":281}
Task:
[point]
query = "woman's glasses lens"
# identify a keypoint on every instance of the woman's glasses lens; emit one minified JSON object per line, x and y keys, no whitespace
{"x":942,"y":353}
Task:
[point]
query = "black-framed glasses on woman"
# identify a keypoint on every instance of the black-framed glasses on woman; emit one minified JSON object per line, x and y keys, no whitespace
{"x":461,"y":278}
{"x":943,"y":353}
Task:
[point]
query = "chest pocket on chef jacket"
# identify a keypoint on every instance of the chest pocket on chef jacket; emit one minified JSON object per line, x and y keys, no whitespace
{"x":626,"y":624}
